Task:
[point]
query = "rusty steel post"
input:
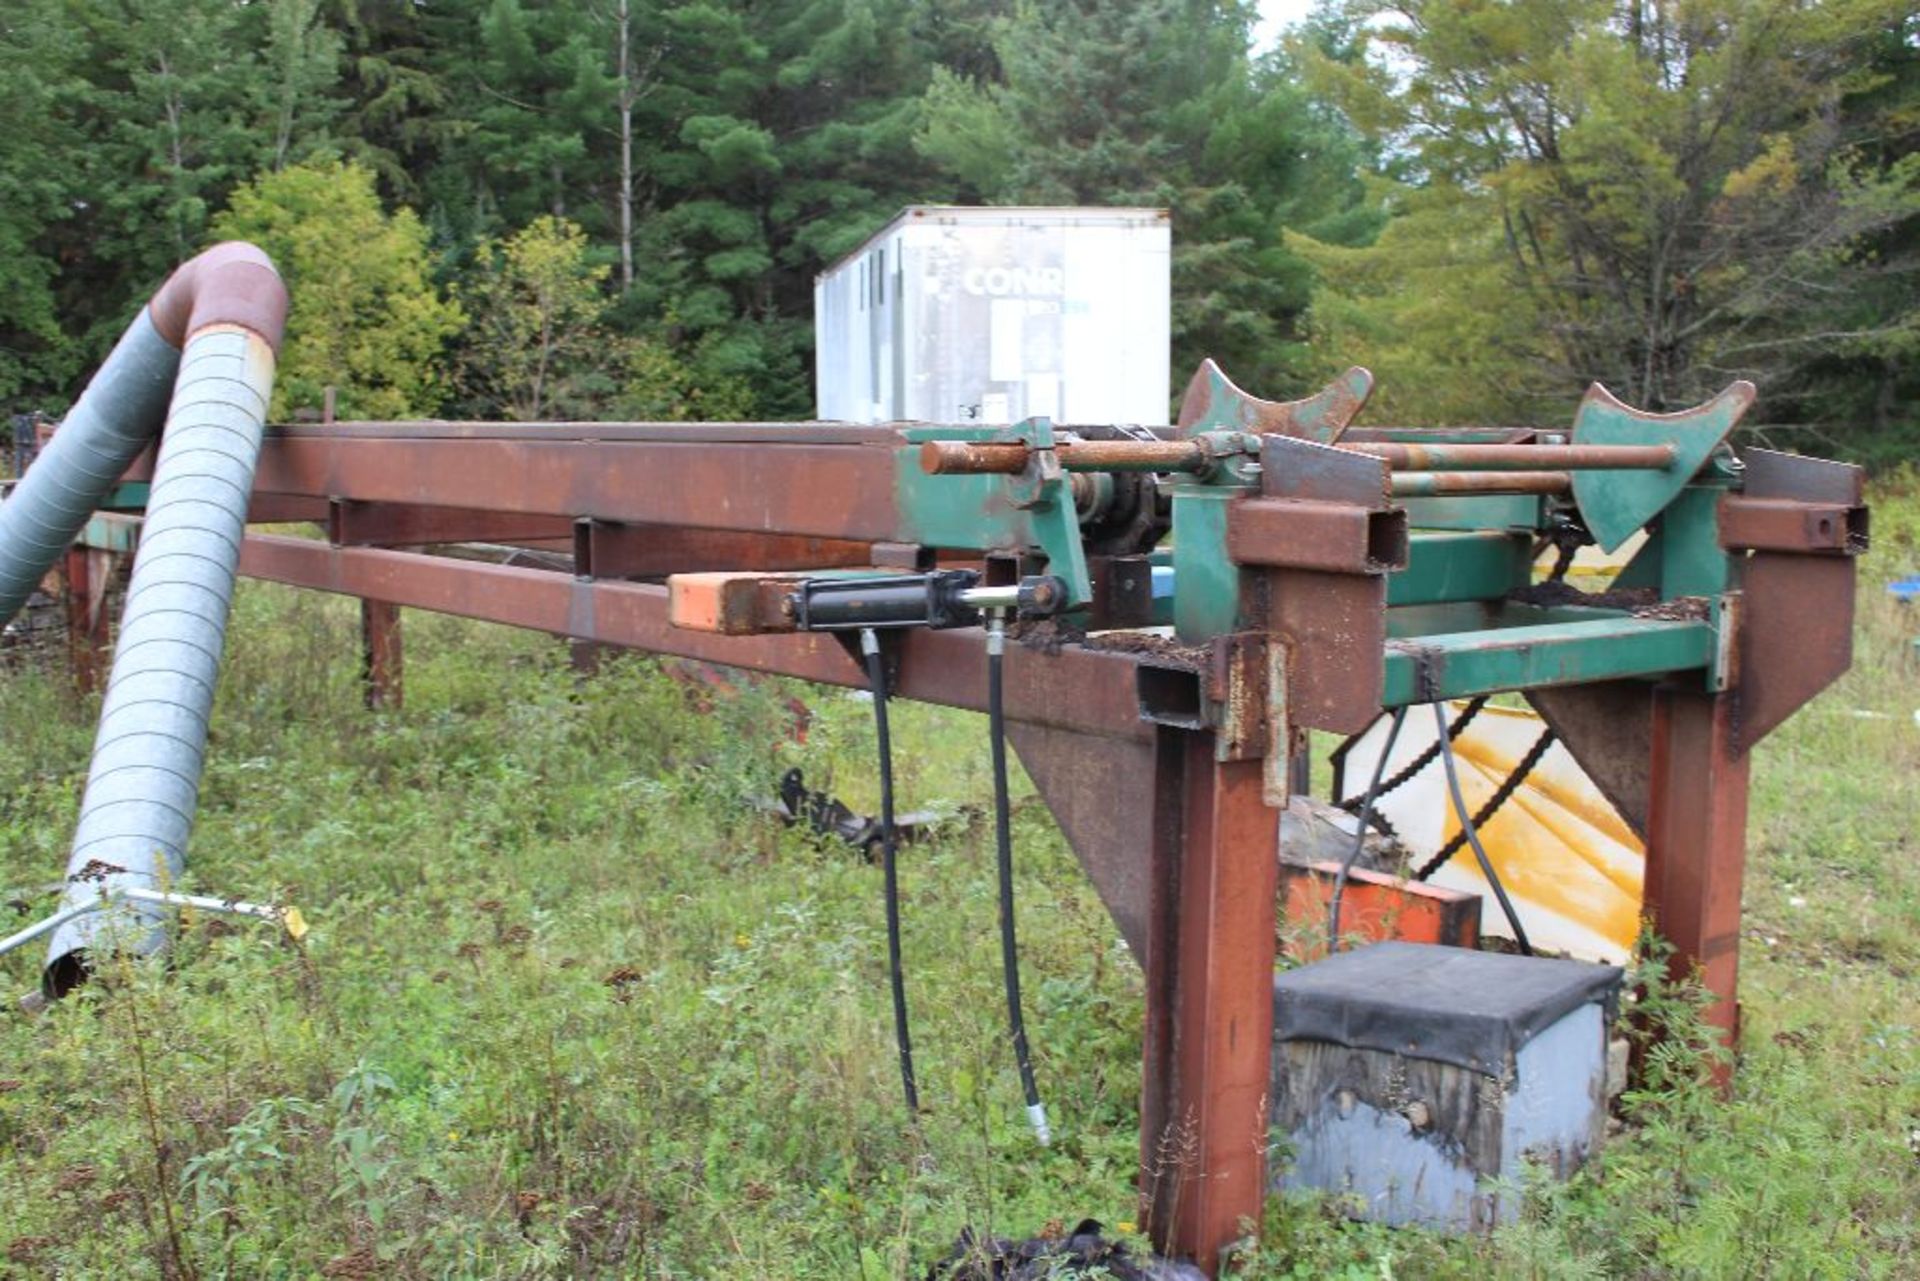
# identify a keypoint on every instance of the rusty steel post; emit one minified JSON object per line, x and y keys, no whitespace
{"x":1203,"y":1137}
{"x":1696,"y":845}
{"x":86,"y":617}
{"x":381,"y":654}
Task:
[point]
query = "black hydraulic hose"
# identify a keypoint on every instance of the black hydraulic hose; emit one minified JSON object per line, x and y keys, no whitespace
{"x":1473,"y":836}
{"x":1360,"y":835}
{"x":889,"y":850}
{"x":1003,"y":849}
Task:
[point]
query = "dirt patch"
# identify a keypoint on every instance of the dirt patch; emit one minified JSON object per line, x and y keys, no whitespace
{"x":1151,"y":645}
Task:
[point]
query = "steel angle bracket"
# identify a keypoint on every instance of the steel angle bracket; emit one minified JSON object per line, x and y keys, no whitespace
{"x":1042,"y":491}
{"x":1614,"y":504}
{"x":1213,"y":403}
{"x":1795,"y":529}
{"x":1030,"y":511}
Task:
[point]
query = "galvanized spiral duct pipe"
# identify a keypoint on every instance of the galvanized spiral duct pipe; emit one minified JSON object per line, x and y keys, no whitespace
{"x":214,"y":328}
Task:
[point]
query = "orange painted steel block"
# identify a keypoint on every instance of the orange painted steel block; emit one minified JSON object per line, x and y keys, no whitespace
{"x":1375,"y":907}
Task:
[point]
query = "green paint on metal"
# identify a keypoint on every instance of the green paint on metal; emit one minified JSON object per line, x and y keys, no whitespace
{"x":113,"y":533}
{"x":1320,"y":417}
{"x":1206,"y":598}
{"x":1459,"y":566}
{"x":1456,"y":665}
{"x":1692,"y":562}
{"x":993,"y":513}
{"x":1476,"y":511}
{"x":130,"y":496}
{"x":1616,"y":503}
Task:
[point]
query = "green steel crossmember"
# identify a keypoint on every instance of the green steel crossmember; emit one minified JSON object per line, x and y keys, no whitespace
{"x":127,"y":496}
{"x":1461,"y":664}
{"x":1460,"y":565}
{"x":112,"y":532}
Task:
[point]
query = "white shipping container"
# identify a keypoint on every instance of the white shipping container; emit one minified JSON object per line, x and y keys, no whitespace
{"x":994,"y":315}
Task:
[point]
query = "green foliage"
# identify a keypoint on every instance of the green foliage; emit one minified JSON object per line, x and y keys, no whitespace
{"x":1677,"y":196}
{"x":365,"y":317}
{"x":535,"y":349}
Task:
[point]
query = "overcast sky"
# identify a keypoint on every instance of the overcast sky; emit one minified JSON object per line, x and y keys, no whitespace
{"x":1274,"y":15}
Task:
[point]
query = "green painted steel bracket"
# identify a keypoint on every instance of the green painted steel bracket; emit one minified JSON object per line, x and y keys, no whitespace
{"x":1458,"y":665}
{"x":996,"y":513}
{"x":1213,"y":403}
{"x":1616,"y":503}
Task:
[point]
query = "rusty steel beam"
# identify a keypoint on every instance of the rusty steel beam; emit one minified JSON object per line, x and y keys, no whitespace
{"x":284,"y":509}
{"x":1084,"y":689}
{"x":1696,"y":845}
{"x":362,"y":524}
{"x":1337,"y":538}
{"x":380,"y":654}
{"x":605,"y":550}
{"x":831,"y":488}
{"x":1203,"y":1136}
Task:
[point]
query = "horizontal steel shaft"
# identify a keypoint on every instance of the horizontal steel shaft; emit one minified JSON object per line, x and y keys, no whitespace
{"x":1009,"y":458}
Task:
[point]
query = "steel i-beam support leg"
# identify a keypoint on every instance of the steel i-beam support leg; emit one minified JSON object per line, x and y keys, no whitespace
{"x":380,"y":654}
{"x":1210,"y":974}
{"x":1696,"y":844}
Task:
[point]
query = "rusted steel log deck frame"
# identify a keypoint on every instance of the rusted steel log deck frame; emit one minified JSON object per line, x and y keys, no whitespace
{"x":1169,"y":822}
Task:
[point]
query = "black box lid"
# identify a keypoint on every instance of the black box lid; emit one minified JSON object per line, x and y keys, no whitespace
{"x":1448,"y":1004}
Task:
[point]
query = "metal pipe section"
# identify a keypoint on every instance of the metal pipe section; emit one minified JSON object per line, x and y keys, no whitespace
{"x":114,"y":419}
{"x":1468,"y":457}
{"x":1440,"y":484}
{"x":144,"y":781}
{"x":1009,"y":458}
{"x":213,"y":329}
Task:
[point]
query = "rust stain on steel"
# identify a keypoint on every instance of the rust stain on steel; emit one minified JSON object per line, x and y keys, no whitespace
{"x":822,"y":490}
{"x":1213,"y":402}
{"x":1086,"y":690}
{"x":1205,"y":1158}
{"x":1696,"y":844}
{"x":1237,"y":690}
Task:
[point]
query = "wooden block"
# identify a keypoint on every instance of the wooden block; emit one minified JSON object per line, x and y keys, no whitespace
{"x":732,"y":604}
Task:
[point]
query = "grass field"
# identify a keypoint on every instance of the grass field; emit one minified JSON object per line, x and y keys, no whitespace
{"x":571,"y":1007}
